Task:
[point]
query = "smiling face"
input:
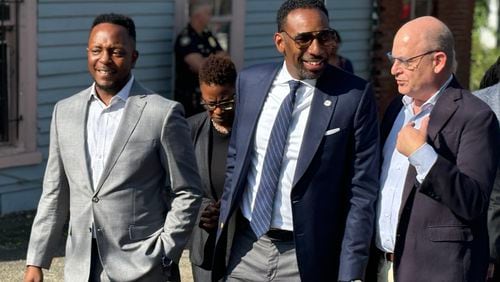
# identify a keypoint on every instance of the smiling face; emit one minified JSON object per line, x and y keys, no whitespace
{"x":305,"y":63}
{"x":111,"y":55}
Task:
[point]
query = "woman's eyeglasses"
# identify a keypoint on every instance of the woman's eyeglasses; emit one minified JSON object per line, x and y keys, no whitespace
{"x":225,"y":105}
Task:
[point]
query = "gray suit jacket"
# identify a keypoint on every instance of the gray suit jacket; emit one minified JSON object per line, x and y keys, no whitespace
{"x":491,"y":96}
{"x":135,"y":223}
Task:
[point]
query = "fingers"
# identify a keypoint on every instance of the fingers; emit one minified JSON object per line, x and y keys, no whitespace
{"x":209,"y":223}
{"x":210,"y":217}
{"x":33,"y":274}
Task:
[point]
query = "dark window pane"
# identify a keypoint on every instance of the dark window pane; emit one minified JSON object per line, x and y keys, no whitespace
{"x":4,"y":12}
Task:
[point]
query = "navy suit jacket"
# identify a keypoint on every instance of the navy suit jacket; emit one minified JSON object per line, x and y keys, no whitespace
{"x":442,"y":233}
{"x":336,"y":179}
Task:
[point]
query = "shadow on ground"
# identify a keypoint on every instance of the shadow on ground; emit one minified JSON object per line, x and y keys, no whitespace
{"x":14,"y":236}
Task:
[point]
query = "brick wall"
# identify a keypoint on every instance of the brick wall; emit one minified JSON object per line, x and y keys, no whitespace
{"x":460,"y":23}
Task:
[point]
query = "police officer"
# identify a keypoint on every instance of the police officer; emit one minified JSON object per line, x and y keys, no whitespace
{"x":193,"y":45}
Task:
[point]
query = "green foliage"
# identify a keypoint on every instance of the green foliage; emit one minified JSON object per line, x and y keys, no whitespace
{"x":481,"y":57}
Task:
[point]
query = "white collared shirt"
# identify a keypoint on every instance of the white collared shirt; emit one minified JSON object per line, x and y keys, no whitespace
{"x":102,"y":123}
{"x":282,"y":209}
{"x":395,"y":168}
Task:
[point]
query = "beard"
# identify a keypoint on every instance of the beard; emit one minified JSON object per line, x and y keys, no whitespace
{"x":306,"y":74}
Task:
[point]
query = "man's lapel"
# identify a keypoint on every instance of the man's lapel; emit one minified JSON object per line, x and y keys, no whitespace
{"x":322,"y":107}
{"x":254,"y":92}
{"x":444,"y":109}
{"x":80,"y":135}
{"x":131,"y":114}
{"x":202,"y":152}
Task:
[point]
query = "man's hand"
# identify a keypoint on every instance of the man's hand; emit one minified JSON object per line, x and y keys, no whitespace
{"x":33,"y":274}
{"x":410,"y":138}
{"x":210,"y":217}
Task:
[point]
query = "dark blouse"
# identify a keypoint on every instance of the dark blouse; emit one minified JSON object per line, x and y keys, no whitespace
{"x":218,"y":144}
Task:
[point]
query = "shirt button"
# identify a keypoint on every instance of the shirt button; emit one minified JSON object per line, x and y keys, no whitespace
{"x":95,"y":199}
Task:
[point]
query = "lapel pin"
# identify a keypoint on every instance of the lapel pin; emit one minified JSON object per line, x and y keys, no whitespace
{"x":327,"y":103}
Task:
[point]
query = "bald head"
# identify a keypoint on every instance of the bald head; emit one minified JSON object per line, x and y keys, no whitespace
{"x":425,"y":34}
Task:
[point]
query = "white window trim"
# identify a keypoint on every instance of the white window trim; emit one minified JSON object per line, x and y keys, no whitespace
{"x":237,"y":27}
{"x":24,"y":151}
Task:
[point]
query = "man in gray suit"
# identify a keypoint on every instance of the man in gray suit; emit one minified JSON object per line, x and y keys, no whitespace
{"x":114,"y":147}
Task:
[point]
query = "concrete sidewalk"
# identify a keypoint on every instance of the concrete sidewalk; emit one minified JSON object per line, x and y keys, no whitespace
{"x":14,"y":236}
{"x":14,"y":270}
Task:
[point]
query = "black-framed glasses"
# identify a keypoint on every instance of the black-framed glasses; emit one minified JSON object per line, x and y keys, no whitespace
{"x":225,"y":105}
{"x":326,"y":37}
{"x":407,"y":63}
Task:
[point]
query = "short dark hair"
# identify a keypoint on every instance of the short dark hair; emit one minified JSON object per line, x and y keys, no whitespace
{"x":218,"y":70}
{"x":117,"y":19}
{"x":291,"y":5}
{"x":491,"y":76}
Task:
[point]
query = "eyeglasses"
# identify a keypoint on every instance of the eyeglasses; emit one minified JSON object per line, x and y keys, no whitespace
{"x":225,"y":105}
{"x":326,"y":37}
{"x":407,"y":63}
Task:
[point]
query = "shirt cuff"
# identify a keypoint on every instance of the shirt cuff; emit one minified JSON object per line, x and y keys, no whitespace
{"x":423,"y":159}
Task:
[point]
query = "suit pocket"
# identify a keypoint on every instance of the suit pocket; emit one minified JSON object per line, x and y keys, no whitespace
{"x":449,"y":233}
{"x":140,"y":232}
{"x":334,"y":132}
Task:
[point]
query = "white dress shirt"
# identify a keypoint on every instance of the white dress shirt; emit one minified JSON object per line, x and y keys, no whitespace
{"x":102,"y":123}
{"x":395,"y":168}
{"x":282,"y":209}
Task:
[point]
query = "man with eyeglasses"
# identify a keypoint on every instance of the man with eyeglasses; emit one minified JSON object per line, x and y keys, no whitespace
{"x":440,"y":152}
{"x":302,"y":173}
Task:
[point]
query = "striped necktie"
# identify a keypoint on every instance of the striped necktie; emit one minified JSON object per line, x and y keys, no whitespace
{"x":262,"y":210}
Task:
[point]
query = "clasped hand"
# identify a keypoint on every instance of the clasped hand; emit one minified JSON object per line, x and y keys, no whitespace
{"x":210,"y":217}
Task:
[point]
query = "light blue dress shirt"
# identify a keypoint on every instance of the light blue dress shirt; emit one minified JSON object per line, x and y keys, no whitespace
{"x":395,"y":168}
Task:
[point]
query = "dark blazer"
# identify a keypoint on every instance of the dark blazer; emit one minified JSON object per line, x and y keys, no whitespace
{"x":336,"y":179}
{"x":202,"y":242}
{"x":442,"y":233}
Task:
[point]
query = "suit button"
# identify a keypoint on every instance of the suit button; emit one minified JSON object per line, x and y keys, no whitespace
{"x":95,"y":199}
{"x":222,"y":225}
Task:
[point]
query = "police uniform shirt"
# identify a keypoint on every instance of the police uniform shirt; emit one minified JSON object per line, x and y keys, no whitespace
{"x":189,"y":41}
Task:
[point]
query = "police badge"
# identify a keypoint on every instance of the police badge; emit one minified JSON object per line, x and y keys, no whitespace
{"x":212,"y":42}
{"x":185,"y":40}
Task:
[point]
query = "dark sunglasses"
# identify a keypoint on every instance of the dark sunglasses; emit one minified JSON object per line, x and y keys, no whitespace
{"x":225,"y":105}
{"x":326,"y":37}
